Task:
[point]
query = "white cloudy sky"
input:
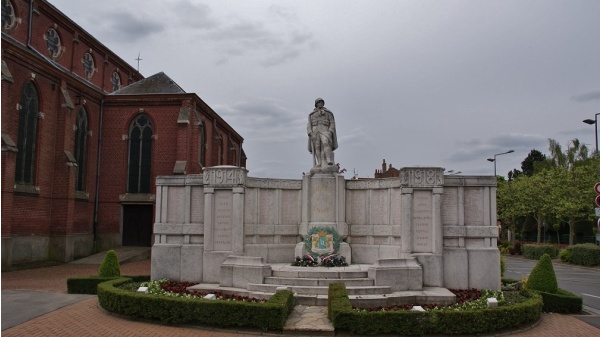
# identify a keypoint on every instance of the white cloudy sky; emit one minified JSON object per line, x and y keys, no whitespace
{"x":436,"y":83}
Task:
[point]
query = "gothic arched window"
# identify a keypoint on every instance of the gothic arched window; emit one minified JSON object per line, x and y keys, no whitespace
{"x":53,"y":43}
{"x":9,"y":19}
{"x":116,"y":81}
{"x":28,"y":116}
{"x":81,"y":132}
{"x":140,"y":155}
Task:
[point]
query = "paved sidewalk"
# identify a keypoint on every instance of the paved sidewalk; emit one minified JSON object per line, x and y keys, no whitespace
{"x":77,"y":315}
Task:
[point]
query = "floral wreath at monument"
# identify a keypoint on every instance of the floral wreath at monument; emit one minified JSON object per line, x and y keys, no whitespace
{"x":322,"y":245}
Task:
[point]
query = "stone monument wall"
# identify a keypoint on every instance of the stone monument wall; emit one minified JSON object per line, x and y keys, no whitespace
{"x":448,"y":223}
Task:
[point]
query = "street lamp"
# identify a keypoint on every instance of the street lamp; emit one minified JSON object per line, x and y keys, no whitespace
{"x":494,"y":159}
{"x":591,"y":122}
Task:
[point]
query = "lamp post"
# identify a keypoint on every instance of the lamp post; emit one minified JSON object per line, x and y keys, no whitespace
{"x":591,"y":122}
{"x":494,"y":159}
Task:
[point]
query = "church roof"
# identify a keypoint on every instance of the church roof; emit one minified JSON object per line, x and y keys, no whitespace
{"x":158,"y":83}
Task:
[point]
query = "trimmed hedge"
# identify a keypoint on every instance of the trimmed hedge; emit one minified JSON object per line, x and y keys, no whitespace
{"x":110,"y":265}
{"x":562,"y":302}
{"x":89,"y":284}
{"x":181,"y":310}
{"x":587,"y":254}
{"x":534,"y":252}
{"x":406,"y":322}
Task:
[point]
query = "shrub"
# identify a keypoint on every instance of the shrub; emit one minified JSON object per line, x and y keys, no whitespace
{"x":502,"y":266}
{"x":587,"y":254}
{"x":562,"y":302}
{"x":517,"y":248}
{"x":182,"y":310}
{"x":566,"y":255}
{"x":447,"y":322}
{"x":542,"y":277}
{"x":89,"y":285}
{"x":110,"y":265}
{"x":534,"y":252}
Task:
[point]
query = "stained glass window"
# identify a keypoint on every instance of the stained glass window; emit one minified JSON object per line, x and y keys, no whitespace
{"x":140,"y":155}
{"x":28,"y":116}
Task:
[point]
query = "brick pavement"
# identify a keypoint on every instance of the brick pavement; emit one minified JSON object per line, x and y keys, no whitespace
{"x":85,"y":318}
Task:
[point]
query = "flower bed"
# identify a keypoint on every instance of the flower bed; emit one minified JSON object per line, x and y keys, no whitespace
{"x":180,"y":309}
{"x":517,"y":307}
{"x":332,"y":260}
{"x":165,"y":287}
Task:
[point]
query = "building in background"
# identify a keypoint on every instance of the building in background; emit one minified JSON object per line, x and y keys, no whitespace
{"x":84,"y":136}
{"x":387,"y":172}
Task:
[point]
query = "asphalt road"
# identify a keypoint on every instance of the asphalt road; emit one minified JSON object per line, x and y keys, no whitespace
{"x":584,"y":282}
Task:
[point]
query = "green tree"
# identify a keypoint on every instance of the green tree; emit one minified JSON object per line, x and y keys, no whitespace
{"x":528,"y":165}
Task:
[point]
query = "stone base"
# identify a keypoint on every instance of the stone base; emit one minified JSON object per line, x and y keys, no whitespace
{"x":238,"y":271}
{"x":399,"y":274}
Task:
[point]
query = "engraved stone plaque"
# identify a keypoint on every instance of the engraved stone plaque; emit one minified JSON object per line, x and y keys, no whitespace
{"x":290,"y":213}
{"x":474,"y":206}
{"x":396,"y":206}
{"x":224,"y":176}
{"x":356,"y":207}
{"x":322,"y":200}
{"x":176,"y":195}
{"x":223,"y":222}
{"x":379,"y":207}
{"x":268,"y":206}
{"x":197,"y":207}
{"x":422,"y":222}
{"x":450,"y":206}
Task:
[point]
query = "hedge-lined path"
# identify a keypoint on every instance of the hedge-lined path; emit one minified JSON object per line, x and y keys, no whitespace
{"x":85,"y":318}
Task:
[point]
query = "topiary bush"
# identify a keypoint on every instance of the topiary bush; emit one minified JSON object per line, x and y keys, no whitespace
{"x":542,"y":277}
{"x":110,"y":265}
{"x":534,"y":252}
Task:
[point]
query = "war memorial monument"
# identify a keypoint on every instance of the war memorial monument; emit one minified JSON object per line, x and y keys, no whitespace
{"x":405,"y":239}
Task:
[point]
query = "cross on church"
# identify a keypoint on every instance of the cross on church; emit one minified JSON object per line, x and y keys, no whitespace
{"x":138,"y":59}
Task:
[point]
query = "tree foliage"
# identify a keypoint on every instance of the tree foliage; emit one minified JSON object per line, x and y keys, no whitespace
{"x":558,"y":189}
{"x":528,"y":165}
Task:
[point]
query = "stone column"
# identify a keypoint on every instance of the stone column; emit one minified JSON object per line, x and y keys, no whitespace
{"x":406,"y":232}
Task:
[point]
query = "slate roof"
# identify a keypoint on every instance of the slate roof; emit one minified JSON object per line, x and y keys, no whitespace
{"x":158,"y":83}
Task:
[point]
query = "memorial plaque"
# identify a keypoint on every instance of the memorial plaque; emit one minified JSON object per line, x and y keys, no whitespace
{"x":250,"y":215}
{"x":268,"y":206}
{"x":396,"y":207}
{"x":379,"y":207}
{"x":356,"y":207}
{"x":290,"y":200}
{"x":197,"y":205}
{"x":474,"y":206}
{"x":223,"y":222}
{"x":450,"y":206}
{"x":422,"y":222}
{"x":176,"y":195}
{"x":323,"y":200}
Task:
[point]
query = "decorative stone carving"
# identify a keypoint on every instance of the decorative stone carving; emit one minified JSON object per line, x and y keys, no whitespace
{"x":224,"y":176}
{"x":322,"y":241}
{"x":368,"y":184}
{"x":274,"y":183}
{"x":422,"y":177}
{"x":322,"y":138}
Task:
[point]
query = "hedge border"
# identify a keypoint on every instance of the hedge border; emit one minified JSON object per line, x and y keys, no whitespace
{"x":271,"y":315}
{"x":89,"y":284}
{"x":535,"y":252}
{"x":563,"y":302}
{"x":405,"y":322}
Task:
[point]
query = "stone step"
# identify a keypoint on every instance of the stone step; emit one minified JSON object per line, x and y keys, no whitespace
{"x":322,"y":273}
{"x":291,"y":281}
{"x":320,"y":290}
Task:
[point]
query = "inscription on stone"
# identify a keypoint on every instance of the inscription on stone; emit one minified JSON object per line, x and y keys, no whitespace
{"x":473,"y":206}
{"x":268,"y":206}
{"x":422,"y":222}
{"x":323,"y":202}
{"x":450,"y":206}
{"x":378,"y":207}
{"x":223,"y":223}
{"x":224,"y":176}
{"x":357,"y":207}
{"x":197,"y":207}
{"x":396,"y":207}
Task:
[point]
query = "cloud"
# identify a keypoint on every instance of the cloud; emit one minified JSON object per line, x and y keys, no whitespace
{"x":125,"y":27}
{"x":188,"y":13}
{"x":476,"y":149}
{"x":593,"y":95}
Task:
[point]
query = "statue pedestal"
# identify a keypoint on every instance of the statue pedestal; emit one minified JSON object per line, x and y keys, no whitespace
{"x":324,"y":205}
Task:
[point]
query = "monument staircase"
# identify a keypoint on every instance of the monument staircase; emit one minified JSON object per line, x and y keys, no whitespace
{"x":310,"y":286}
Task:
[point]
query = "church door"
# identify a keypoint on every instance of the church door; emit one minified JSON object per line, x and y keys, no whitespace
{"x":137,"y":225}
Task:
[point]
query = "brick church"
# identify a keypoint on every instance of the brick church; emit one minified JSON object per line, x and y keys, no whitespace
{"x":84,"y":136}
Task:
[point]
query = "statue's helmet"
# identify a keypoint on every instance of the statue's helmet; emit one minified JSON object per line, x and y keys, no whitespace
{"x":319,"y":100}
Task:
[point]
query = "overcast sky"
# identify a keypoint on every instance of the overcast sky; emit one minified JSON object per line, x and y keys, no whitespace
{"x":417,"y":83}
